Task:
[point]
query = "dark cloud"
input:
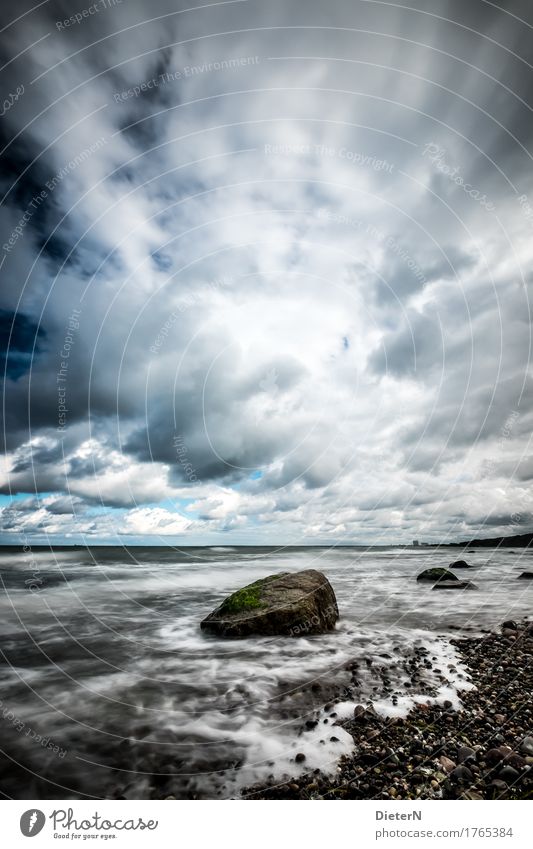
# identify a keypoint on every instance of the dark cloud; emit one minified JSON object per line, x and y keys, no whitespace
{"x":269,"y":265}
{"x":21,"y":338}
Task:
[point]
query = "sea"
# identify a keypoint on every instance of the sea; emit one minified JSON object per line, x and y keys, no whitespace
{"x":109,"y":688}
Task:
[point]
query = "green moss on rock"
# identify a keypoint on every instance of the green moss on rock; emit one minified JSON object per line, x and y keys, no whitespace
{"x":249,"y":598}
{"x":246,"y":599}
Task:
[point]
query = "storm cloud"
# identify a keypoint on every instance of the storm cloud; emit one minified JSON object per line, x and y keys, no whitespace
{"x":266,"y":270}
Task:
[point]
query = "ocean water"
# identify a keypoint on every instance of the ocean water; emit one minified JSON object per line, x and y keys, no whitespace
{"x":108,"y":688}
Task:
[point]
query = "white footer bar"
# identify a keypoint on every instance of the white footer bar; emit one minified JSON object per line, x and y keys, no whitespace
{"x":267,"y":825}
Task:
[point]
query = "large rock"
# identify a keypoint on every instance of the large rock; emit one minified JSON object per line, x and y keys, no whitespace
{"x":292,"y":605}
{"x":436,"y":574}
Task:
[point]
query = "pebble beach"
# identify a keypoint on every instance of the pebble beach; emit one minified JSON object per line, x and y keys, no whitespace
{"x":483,"y":750}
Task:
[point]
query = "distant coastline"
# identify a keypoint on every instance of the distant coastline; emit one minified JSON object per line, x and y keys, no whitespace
{"x":516,"y":541}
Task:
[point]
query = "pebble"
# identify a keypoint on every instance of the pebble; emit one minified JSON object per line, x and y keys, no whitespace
{"x":508,"y":774}
{"x":461,"y":773}
{"x":465,"y":753}
{"x":494,"y":756}
{"x":526,"y":746}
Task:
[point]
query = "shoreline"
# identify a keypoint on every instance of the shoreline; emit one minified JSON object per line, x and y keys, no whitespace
{"x":484,"y":750}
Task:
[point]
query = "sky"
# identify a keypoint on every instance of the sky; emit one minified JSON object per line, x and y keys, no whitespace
{"x":266,"y":271}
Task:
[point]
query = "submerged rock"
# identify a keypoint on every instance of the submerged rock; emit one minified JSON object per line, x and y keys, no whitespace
{"x":436,"y":574}
{"x":460,"y":564}
{"x":454,"y":585}
{"x":292,"y":605}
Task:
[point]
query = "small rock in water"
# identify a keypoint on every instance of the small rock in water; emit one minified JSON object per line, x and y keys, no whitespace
{"x":454,"y":585}
{"x":436,"y":574}
{"x":300,"y":758}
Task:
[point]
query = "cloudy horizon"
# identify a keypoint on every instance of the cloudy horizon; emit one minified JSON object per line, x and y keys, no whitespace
{"x":266,"y":272}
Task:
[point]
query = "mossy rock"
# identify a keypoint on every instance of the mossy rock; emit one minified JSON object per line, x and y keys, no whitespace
{"x":296,"y":604}
{"x":436,"y":574}
{"x":460,"y":564}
